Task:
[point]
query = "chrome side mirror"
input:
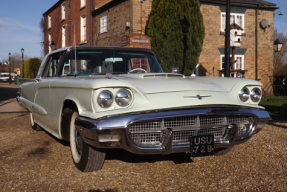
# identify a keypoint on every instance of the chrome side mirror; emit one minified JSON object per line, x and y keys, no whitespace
{"x":174,"y":70}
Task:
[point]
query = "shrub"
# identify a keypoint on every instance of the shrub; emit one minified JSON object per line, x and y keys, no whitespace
{"x":177,"y":32}
{"x":31,"y":66}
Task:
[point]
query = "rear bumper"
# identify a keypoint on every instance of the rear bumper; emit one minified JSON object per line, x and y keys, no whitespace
{"x":114,"y":132}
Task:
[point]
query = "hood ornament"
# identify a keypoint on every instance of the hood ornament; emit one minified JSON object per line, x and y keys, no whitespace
{"x":197,"y":96}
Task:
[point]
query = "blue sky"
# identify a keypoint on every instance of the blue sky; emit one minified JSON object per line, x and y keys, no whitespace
{"x":20,"y":25}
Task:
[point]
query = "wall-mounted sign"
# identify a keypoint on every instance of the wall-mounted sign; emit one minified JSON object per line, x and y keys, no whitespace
{"x":139,"y":41}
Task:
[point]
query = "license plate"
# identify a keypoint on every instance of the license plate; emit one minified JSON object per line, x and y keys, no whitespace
{"x":201,"y":145}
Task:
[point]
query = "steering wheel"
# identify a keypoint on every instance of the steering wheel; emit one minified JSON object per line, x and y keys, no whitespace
{"x":137,"y":69}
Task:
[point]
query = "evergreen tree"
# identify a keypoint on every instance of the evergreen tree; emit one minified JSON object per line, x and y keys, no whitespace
{"x":177,"y":32}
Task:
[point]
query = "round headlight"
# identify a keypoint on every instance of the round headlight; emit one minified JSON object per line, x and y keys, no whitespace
{"x":244,"y":94}
{"x":123,"y":97}
{"x":255,"y":94}
{"x":105,"y":99}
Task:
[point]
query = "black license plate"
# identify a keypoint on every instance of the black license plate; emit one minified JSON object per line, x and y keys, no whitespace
{"x":202,"y":145}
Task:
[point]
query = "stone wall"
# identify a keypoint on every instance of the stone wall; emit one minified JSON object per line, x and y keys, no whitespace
{"x":209,"y":60}
{"x":118,"y":13}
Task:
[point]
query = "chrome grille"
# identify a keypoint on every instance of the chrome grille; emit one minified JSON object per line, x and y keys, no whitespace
{"x":212,"y":120}
{"x":217,"y":132}
{"x":147,"y":139}
{"x":148,"y":132}
{"x":179,"y":122}
{"x":146,"y":126}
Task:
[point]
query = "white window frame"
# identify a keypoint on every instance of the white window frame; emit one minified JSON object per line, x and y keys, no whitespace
{"x":63,"y":36}
{"x":50,"y":41}
{"x":49,"y":21}
{"x":236,"y":56}
{"x":83,"y":29}
{"x":104,"y":24}
{"x":63,"y":11}
{"x":83,"y":3}
{"x":235,"y":15}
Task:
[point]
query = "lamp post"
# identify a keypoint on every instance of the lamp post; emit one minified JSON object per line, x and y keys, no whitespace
{"x":227,"y":41}
{"x":9,"y":68}
{"x":22,"y":51}
{"x":53,"y":46}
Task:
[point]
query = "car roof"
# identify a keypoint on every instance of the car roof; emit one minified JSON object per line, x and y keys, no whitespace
{"x":111,"y":48}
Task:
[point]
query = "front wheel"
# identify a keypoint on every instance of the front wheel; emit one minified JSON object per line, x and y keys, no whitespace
{"x":85,"y":157}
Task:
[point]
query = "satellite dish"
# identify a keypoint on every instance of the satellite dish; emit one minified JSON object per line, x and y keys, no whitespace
{"x":264,"y":24}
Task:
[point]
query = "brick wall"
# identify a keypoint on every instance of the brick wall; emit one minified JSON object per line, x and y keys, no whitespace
{"x":76,"y":11}
{"x":210,"y":56}
{"x":117,"y":14}
{"x":137,"y":13}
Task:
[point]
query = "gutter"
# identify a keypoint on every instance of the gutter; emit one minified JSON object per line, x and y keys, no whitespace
{"x":256,"y":42}
{"x":69,"y":11}
{"x":250,"y":5}
{"x":91,"y":23}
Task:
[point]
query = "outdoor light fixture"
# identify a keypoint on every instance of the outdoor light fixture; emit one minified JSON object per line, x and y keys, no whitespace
{"x":22,"y":51}
{"x":277,"y":45}
{"x":53,"y":46}
{"x":280,"y":14}
{"x":128,"y":24}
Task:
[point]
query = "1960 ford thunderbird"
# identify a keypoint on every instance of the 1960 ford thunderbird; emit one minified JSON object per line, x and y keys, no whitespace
{"x":101,"y":98}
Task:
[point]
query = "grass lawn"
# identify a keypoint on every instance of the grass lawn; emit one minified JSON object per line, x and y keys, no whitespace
{"x":276,"y":106}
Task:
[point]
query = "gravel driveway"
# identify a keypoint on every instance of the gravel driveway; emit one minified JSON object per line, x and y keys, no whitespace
{"x":36,"y":161}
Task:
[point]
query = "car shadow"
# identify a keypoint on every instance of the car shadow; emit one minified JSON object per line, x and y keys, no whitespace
{"x":125,"y":156}
{"x":8,"y":93}
{"x":273,"y":123}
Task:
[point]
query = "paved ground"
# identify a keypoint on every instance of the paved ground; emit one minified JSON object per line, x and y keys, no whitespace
{"x":36,"y":161}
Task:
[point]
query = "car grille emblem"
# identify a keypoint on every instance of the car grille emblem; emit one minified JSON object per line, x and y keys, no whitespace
{"x":197,"y":96}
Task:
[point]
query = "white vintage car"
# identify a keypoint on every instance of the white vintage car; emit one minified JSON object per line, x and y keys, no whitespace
{"x":101,"y":98}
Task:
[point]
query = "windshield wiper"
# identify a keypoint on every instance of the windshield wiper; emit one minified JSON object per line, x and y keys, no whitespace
{"x":113,"y":73}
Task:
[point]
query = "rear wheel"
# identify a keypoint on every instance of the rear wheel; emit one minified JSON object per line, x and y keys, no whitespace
{"x":33,"y":124}
{"x":85,"y":157}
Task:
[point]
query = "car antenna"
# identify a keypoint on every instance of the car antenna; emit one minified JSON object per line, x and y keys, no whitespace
{"x":75,"y":51}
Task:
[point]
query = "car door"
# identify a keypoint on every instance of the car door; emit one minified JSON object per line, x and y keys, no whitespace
{"x":42,"y":92}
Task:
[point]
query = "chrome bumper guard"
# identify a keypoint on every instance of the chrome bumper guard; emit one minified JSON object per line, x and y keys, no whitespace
{"x":114,"y":132}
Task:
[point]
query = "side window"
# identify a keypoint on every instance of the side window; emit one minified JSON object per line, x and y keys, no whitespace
{"x":52,"y":65}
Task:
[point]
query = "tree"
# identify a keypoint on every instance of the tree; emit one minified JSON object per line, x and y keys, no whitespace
{"x":31,"y":67}
{"x":177,"y":32}
{"x":280,"y":58}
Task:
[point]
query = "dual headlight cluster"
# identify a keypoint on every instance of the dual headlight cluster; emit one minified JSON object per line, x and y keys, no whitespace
{"x":245,"y":94}
{"x":122,"y":97}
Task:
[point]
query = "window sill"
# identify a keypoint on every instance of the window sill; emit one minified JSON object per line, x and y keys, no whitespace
{"x":83,"y":7}
{"x":63,"y":19}
{"x":242,"y":34}
{"x":103,"y":32}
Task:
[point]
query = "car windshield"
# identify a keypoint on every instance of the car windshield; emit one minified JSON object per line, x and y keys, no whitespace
{"x":103,"y":62}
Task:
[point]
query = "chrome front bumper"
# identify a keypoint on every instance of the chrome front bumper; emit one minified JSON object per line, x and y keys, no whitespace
{"x":114,"y":132}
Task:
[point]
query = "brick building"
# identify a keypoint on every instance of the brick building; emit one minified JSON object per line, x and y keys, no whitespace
{"x":117,"y":21}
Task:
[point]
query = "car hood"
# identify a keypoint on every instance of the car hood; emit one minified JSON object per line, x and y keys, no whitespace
{"x":176,"y":83}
